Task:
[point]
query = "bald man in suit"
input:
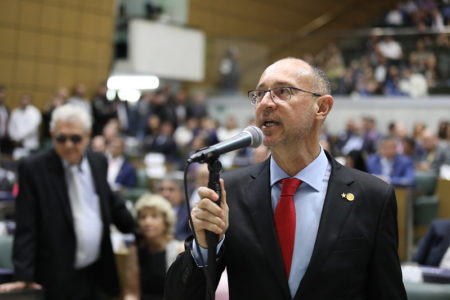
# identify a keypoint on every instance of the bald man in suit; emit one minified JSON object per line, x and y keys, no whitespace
{"x":344,"y":244}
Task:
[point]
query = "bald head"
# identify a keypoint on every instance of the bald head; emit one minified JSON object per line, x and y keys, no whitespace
{"x":312,"y":76}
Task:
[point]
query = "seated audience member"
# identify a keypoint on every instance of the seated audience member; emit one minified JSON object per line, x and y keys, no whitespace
{"x":121,"y":174}
{"x":413,"y":150}
{"x":390,"y":166}
{"x":155,"y":248}
{"x":355,"y":159}
{"x":79,"y":98}
{"x":23,"y":127}
{"x":163,"y":142}
{"x":98,"y":144}
{"x":260,"y":154}
{"x":429,"y":142}
{"x":171,"y":189}
{"x":5,"y":139}
{"x":201,"y":178}
{"x":434,"y":248}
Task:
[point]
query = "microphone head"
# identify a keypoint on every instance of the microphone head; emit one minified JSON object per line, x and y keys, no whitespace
{"x":256,"y":135}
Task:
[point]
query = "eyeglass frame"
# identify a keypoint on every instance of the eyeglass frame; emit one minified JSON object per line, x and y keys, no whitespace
{"x":63,"y":138}
{"x":279,"y":87}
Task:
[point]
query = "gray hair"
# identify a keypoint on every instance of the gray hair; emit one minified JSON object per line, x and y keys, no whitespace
{"x":70,"y":113}
{"x":160,"y":204}
{"x":322,"y":84}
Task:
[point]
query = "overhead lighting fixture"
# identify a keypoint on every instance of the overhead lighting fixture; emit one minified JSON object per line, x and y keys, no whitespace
{"x":129,"y":95}
{"x":133,"y":82}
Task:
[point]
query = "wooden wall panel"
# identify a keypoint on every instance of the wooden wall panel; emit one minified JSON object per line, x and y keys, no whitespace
{"x":29,"y":14}
{"x":47,"y":46}
{"x":46,"y":75}
{"x":50,"y":18}
{"x":8,"y":42}
{"x":27,"y":43}
{"x":67,"y":49}
{"x":70,"y":22}
{"x":51,"y":43}
{"x":7,"y":70}
{"x":9,"y":10}
{"x":25,"y":74}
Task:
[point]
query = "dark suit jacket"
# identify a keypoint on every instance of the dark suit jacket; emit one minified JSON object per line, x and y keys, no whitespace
{"x":182,"y":229}
{"x":434,"y":244}
{"x":44,"y":243}
{"x":127,"y":175}
{"x":402,"y":169}
{"x":354,"y":257}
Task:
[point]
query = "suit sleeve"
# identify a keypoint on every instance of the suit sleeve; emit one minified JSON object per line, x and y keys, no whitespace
{"x":120,"y":215}
{"x":25,"y":236}
{"x":385,"y":277}
{"x":186,"y":281}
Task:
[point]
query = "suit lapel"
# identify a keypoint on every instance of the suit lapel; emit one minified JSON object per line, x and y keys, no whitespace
{"x":97,"y":174}
{"x":59,"y":185}
{"x":261,"y":212}
{"x":335,"y":211}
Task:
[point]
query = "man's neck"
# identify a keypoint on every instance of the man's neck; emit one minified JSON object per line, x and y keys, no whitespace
{"x":293,"y":162}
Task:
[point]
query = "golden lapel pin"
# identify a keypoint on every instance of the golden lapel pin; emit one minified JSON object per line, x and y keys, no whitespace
{"x":350,"y":197}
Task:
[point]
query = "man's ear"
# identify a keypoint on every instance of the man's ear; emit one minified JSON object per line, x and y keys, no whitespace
{"x":324,"y":104}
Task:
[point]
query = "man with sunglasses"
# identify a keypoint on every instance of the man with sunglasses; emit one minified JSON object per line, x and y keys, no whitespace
{"x":63,"y":214}
{"x":298,"y":225}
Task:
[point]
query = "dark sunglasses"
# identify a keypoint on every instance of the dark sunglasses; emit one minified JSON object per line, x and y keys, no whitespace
{"x":74,"y":138}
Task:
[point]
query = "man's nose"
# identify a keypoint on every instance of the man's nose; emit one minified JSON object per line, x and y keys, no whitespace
{"x":267,"y":100}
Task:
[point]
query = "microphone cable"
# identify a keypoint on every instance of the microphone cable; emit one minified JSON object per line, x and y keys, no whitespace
{"x":210,"y":290}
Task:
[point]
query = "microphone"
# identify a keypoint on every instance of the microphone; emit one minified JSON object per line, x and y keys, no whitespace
{"x":251,"y":136}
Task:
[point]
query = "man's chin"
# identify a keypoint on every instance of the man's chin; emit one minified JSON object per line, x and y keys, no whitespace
{"x":73,"y":160}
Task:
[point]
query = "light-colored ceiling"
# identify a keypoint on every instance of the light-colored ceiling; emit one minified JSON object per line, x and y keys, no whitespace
{"x":282,"y":24}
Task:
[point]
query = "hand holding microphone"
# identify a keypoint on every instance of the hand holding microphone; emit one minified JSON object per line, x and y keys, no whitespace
{"x":207,"y":215}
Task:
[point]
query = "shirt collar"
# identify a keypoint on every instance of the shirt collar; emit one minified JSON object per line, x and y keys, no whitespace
{"x":82,"y":166}
{"x":312,"y":174}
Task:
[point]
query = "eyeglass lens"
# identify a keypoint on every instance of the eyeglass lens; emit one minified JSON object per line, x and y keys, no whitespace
{"x":281,"y":93}
{"x":74,"y":138}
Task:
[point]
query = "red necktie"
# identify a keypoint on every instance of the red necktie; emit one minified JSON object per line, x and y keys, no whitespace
{"x":285,"y":220}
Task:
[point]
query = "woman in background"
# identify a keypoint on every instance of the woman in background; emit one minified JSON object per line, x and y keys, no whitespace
{"x":155,"y":248}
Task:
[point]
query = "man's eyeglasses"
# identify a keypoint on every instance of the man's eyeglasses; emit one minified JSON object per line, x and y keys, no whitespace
{"x":74,"y":138}
{"x":282,"y":93}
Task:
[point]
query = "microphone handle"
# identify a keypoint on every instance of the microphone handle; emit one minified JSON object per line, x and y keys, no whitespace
{"x":212,"y":239}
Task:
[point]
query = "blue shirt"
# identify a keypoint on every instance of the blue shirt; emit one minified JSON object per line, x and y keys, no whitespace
{"x":308,"y":200}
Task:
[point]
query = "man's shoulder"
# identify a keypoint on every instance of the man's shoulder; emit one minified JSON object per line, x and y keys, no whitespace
{"x":363,"y":179}
{"x":40,"y":157}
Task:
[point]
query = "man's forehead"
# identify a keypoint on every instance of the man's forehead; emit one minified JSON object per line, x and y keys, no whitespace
{"x":69,"y":125}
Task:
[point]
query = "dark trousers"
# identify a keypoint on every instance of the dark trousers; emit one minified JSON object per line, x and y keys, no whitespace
{"x":83,"y":286}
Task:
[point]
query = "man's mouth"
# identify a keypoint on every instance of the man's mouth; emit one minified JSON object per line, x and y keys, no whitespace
{"x":268,"y":124}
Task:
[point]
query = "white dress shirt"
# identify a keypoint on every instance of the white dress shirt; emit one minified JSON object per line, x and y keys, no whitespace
{"x":24,"y":126}
{"x":86,"y":213}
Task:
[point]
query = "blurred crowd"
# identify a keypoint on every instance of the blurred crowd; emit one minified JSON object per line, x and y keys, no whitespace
{"x":393,"y":62}
{"x":363,"y":143}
